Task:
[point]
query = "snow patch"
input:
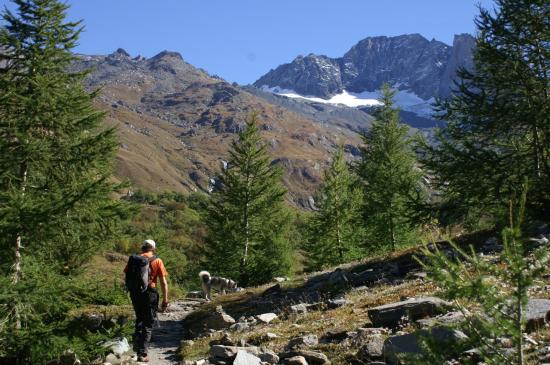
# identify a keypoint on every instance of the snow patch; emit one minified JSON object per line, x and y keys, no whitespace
{"x":404,"y":99}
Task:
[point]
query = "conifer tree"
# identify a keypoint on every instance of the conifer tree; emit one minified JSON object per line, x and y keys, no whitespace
{"x":247,"y":221}
{"x":387,"y":169}
{"x":55,"y":158}
{"x":492,"y":296}
{"x":336,"y":230}
{"x":498,"y":129}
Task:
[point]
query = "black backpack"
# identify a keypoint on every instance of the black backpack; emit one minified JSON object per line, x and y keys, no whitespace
{"x":138,"y":274}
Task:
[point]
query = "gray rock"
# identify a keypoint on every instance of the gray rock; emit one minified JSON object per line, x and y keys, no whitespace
{"x":444,"y":319}
{"x":303,"y":341}
{"x":390,"y":315}
{"x":267,"y":317}
{"x":112,"y":359}
{"x":373,"y":348}
{"x":537,"y":314}
{"x":221,"y":352}
{"x":219,"y":320}
{"x":118,"y":346}
{"x":296,"y":360}
{"x":337,"y":303}
{"x":299,"y":308}
{"x":312,"y":357}
{"x":269,"y":337}
{"x":239,"y":326}
{"x":244,"y":358}
{"x":409,"y":344}
{"x":268,"y":356}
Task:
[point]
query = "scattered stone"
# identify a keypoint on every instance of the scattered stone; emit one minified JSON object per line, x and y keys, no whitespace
{"x":337,"y":303}
{"x":267,"y":317}
{"x":444,"y":319}
{"x":268,"y":356}
{"x":296,"y":360}
{"x":312,"y":357}
{"x":239,"y":326}
{"x":222,"y":352}
{"x":112,"y":359}
{"x":219,"y":319}
{"x":373,"y":348}
{"x":303,"y":341}
{"x":195,"y":295}
{"x":244,"y":358}
{"x":410,"y":344}
{"x":269,"y":337}
{"x":390,"y":315}
{"x":280,"y":279}
{"x":299,"y":308}
{"x":537,"y":314}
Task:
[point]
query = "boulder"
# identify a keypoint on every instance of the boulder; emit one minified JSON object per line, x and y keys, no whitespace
{"x":303,"y":341}
{"x":338,"y":302}
{"x":268,"y":356}
{"x":269,"y":337}
{"x":312,"y":357}
{"x":390,"y":315}
{"x":239,"y":326}
{"x":334,"y":336}
{"x":373,"y":348}
{"x":219,"y":320}
{"x":69,"y":358}
{"x":267,"y":317}
{"x":537,"y":314}
{"x":244,"y":358}
{"x":275,"y":289}
{"x":366,"y":277}
{"x":296,"y":360}
{"x":410,"y":344}
{"x":444,"y":319}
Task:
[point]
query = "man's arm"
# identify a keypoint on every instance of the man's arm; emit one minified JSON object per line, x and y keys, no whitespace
{"x":164,"y":287}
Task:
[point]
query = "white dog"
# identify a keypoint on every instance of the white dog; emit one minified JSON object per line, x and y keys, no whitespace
{"x":222,"y":284}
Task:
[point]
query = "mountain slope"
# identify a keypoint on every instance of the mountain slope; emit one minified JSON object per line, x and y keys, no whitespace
{"x":175,"y":124}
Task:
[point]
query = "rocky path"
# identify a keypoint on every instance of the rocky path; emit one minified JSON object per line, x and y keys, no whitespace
{"x":166,"y":338}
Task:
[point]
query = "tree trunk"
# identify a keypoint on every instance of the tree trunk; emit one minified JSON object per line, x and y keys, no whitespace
{"x":520,"y":330}
{"x":246,"y":219}
{"x":391,"y":227}
{"x":17,"y":271}
{"x":339,"y":240}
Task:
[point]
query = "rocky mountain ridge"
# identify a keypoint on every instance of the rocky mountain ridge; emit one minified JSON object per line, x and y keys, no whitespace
{"x":408,"y":62}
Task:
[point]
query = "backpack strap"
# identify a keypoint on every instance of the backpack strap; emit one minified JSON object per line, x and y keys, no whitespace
{"x":151,"y":259}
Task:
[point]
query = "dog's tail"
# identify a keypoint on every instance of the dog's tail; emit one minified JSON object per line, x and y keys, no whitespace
{"x":205,"y":276}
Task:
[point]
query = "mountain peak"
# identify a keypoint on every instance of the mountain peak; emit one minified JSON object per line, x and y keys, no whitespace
{"x":167,"y":55}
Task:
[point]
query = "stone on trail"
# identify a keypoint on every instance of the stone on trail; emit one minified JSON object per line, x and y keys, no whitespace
{"x":390,"y":315}
{"x":266,"y":317}
{"x":244,"y":358}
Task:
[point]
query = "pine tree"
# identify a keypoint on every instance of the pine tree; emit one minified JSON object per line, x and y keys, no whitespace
{"x":247,"y":221}
{"x":498,"y":129}
{"x":492,"y":296}
{"x":55,"y":158}
{"x":336,"y":230}
{"x":387,"y":169}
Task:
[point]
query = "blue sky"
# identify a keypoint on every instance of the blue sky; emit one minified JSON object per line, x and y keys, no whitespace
{"x":240,"y":40}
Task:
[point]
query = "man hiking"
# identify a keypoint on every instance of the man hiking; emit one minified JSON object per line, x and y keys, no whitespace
{"x":142,"y":272}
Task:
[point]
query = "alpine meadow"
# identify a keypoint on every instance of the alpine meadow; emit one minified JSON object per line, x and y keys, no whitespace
{"x":384,"y":200}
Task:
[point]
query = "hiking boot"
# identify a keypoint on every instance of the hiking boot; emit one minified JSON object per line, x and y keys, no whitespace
{"x":143,"y":358}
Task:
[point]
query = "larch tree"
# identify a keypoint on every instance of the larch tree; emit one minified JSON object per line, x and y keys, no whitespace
{"x":247,"y":221}
{"x":389,"y":175}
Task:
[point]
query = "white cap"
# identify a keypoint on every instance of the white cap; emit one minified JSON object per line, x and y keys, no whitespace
{"x":150,"y":243}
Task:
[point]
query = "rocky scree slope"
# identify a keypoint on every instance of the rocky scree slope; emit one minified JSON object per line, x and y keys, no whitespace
{"x":408,"y":62}
{"x":367,"y":313}
{"x":176,"y":122}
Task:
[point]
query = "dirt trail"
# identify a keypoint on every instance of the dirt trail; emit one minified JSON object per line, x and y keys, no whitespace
{"x":166,"y":338}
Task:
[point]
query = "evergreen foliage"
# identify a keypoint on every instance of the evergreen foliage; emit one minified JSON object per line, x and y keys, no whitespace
{"x":56,"y":208}
{"x":498,"y":128}
{"x":497,"y":294}
{"x":247,"y":221}
{"x":391,"y":180}
{"x":336,"y":230}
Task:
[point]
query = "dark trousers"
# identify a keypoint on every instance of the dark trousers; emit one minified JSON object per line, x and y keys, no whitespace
{"x":145,"y":307}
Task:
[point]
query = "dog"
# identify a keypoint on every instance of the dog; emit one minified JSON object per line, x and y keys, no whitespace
{"x":222,"y":284}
